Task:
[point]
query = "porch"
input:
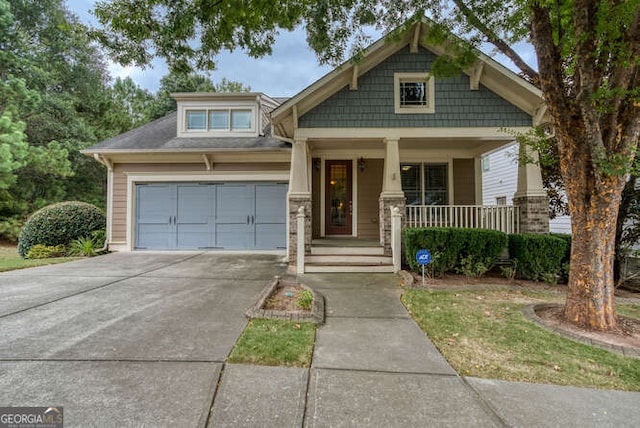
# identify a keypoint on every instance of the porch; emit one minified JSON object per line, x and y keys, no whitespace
{"x":345,"y":192}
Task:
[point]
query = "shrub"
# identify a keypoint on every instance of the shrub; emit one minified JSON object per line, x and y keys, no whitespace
{"x":564,"y":271}
{"x":10,"y":228}
{"x":479,"y":248}
{"x":40,"y":251}
{"x":59,"y":224}
{"x":83,"y":247}
{"x":538,"y":256}
{"x":305,"y":299}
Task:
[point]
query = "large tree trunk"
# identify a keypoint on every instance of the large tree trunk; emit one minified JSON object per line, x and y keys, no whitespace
{"x":589,"y":302}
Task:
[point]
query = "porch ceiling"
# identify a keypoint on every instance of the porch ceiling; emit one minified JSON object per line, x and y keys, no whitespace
{"x":470,"y":147}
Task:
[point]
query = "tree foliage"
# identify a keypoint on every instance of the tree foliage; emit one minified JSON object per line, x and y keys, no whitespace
{"x":57,"y":98}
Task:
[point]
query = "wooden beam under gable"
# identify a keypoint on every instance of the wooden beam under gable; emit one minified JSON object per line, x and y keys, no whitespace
{"x":353,"y":86}
{"x":413,"y":48}
{"x":476,"y":74}
{"x":294,"y":115}
{"x":539,"y":114}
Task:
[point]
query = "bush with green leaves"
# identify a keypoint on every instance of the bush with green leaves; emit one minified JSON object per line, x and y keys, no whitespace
{"x":479,"y":248}
{"x":539,"y":257}
{"x":60,"y":224}
{"x":564,"y":271}
{"x":40,"y":251}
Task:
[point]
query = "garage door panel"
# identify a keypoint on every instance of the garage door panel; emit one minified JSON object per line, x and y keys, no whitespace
{"x":155,"y":204}
{"x":233,"y":236}
{"x":271,"y":236}
{"x":233,"y":204}
{"x":196,"y":204}
{"x":194,"y":236}
{"x":155,"y":236}
{"x":270,"y":203}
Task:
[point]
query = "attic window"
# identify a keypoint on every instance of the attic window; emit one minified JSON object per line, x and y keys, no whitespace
{"x":224,"y":120}
{"x":414,"y":93}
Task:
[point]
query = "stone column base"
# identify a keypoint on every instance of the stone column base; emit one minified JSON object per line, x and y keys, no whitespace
{"x":534,"y":213}
{"x":295,"y":202}
{"x":385,"y":204}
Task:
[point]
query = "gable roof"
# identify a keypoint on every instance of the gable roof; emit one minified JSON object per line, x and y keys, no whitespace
{"x":486,"y":71}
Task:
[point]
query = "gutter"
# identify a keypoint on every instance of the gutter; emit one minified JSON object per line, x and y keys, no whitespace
{"x":106,"y":162}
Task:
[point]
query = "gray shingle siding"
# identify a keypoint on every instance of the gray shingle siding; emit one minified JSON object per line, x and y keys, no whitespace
{"x":372,"y":105}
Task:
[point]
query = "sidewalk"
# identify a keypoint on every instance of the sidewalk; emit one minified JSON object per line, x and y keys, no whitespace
{"x":373,"y":366}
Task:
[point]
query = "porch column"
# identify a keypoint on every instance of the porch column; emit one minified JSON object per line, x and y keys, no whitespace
{"x":531,"y":198}
{"x":299,"y":195}
{"x":392,"y":194}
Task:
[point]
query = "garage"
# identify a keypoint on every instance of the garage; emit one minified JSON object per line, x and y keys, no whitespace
{"x":225,"y":216}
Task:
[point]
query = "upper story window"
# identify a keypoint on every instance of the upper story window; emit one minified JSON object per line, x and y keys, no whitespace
{"x":414,"y":93}
{"x":229,"y":119}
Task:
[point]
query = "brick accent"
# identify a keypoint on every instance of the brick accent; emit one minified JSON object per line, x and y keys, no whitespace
{"x":295,"y":202}
{"x":385,"y":204}
{"x":534,"y":213}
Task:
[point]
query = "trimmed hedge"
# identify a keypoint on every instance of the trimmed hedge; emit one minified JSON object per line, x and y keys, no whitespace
{"x":59,"y":224}
{"x":449,"y":246}
{"x":537,"y":255}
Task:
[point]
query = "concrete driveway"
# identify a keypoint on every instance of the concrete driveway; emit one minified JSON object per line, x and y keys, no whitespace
{"x":134,"y":339}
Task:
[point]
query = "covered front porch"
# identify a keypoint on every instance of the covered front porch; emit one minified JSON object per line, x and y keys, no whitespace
{"x":347,"y":184}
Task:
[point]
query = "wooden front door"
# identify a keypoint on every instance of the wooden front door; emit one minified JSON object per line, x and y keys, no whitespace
{"x":338,"y":202}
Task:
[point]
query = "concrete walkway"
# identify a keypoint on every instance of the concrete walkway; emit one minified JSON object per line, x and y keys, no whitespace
{"x":373,"y":366}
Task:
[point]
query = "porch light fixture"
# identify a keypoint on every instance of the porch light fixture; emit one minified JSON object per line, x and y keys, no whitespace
{"x":361,"y":164}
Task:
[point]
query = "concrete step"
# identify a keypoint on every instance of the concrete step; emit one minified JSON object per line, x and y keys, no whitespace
{"x":358,"y":251}
{"x":347,"y":268}
{"x":364,"y":259}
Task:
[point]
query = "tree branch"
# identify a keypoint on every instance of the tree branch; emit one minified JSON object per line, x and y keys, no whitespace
{"x":492,"y":37}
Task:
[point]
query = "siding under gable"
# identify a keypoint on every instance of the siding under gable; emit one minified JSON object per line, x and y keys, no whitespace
{"x":372,"y":105}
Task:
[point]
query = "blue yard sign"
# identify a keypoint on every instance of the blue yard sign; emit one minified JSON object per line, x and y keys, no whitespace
{"x":423,"y":257}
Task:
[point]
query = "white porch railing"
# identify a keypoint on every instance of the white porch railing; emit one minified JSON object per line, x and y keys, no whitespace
{"x":504,"y":218}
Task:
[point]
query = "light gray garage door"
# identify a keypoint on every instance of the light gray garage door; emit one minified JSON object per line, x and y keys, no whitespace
{"x":211,"y":215}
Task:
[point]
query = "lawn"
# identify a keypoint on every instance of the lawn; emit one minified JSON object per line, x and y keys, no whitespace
{"x":275,"y":343}
{"x":484,"y":334}
{"x":10,"y":260}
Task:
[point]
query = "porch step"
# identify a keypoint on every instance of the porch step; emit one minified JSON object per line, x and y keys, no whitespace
{"x":337,"y":259}
{"x":347,"y":268}
{"x":341,"y":251}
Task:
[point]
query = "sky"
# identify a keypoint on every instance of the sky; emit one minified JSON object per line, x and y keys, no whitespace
{"x":291,"y":68}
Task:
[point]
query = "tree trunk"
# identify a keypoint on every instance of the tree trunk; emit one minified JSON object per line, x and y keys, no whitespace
{"x":589,"y":301}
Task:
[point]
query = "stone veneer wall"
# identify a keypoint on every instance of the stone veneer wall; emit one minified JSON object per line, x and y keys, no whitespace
{"x":534,"y":213}
{"x":295,"y":202}
{"x":385,"y":219}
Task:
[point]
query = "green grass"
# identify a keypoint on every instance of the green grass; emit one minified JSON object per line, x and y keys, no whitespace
{"x":275,"y":343}
{"x":10,"y":260}
{"x":632,"y":311}
{"x":484,"y":334}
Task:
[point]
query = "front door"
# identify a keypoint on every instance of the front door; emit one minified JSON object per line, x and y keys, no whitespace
{"x":338,"y":203}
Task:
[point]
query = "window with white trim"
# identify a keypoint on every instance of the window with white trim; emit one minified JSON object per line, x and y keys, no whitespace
{"x":227,"y":119}
{"x":414,"y":93}
{"x":501,"y":200}
{"x":425,"y":183}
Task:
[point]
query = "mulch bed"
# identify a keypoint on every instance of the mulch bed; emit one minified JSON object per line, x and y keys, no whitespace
{"x":285,"y":298}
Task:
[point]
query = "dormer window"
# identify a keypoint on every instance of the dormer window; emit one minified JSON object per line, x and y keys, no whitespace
{"x":220,"y":119}
{"x":414,"y":93}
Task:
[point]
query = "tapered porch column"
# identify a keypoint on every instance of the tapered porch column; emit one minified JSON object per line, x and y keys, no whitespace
{"x":531,"y":198}
{"x":392,"y":194}
{"x":299,"y":196}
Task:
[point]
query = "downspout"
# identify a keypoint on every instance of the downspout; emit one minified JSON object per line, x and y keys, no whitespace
{"x":106,"y":162}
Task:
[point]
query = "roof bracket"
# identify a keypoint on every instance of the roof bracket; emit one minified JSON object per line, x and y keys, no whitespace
{"x":476,"y":74}
{"x":207,"y":161}
{"x":104,"y":160}
{"x":413,"y":48}
{"x":539,"y":113}
{"x":354,"y":78}
{"x":294,"y":113}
